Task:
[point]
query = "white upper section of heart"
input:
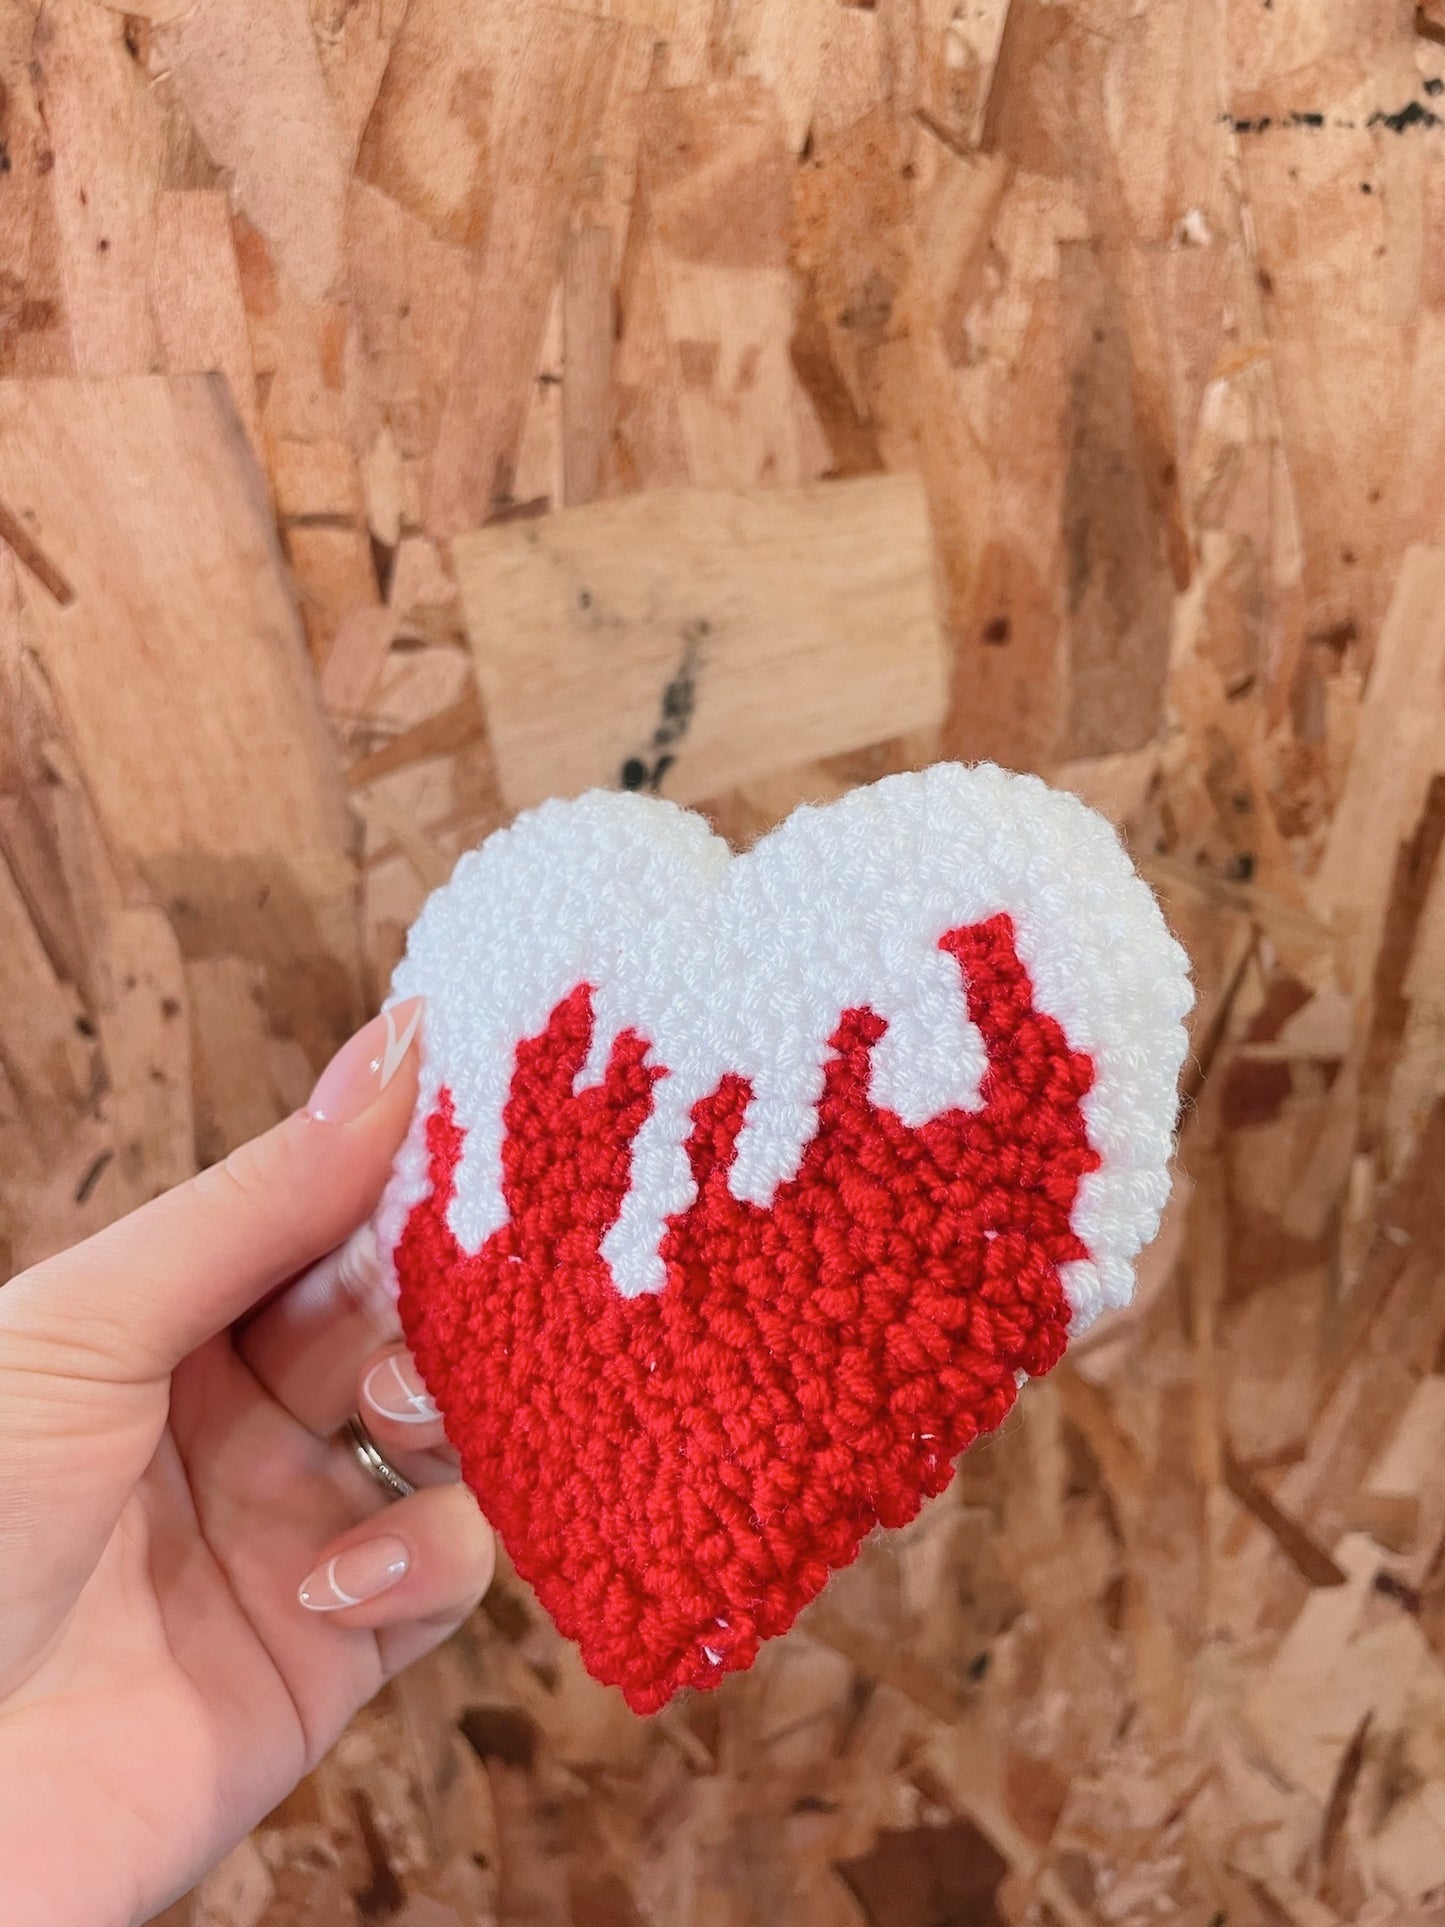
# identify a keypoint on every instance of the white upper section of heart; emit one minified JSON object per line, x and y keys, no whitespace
{"x":746,"y":963}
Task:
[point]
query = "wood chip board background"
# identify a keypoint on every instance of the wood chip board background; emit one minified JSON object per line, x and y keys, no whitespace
{"x":1059,"y":382}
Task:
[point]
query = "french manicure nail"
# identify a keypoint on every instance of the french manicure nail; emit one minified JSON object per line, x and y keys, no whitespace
{"x":364,"y":1066}
{"x":356,"y":1574}
{"x":393,"y":1388}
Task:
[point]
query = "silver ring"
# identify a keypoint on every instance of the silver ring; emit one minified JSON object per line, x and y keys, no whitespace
{"x":371,"y":1458}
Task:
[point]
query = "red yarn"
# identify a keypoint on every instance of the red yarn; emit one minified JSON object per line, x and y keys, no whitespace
{"x":677,"y":1473}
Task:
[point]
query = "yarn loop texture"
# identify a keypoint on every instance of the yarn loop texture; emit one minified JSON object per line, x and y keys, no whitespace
{"x":685,"y":1386}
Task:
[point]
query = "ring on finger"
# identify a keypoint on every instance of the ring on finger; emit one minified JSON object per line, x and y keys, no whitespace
{"x":372,"y":1460}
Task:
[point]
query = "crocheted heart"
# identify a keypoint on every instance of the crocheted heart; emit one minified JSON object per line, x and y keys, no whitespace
{"x":742,"y":1192}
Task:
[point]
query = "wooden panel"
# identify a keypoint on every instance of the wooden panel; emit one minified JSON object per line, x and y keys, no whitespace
{"x":178,"y":654}
{"x":196,"y":294}
{"x":43,"y":1054}
{"x":249,"y":74}
{"x":106,"y":135}
{"x":689,"y":640}
{"x":1400,"y":746}
{"x":1150,"y":300}
{"x":550,"y":97}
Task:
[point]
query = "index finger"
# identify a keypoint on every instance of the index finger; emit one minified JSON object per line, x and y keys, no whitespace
{"x":131,"y":1302}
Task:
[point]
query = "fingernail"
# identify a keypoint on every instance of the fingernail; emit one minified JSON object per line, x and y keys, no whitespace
{"x":357,"y":1574}
{"x":364,"y":1066}
{"x":393,"y":1388}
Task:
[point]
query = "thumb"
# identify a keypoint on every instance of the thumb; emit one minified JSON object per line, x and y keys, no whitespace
{"x":88,"y":1339}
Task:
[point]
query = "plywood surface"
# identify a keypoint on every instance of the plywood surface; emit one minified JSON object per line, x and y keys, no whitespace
{"x":684,"y":639}
{"x":1056,"y":381}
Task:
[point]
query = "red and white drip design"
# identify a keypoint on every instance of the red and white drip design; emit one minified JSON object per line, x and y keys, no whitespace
{"x":742,"y":1193}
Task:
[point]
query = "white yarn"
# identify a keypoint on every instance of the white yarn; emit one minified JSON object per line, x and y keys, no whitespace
{"x":746,"y":963}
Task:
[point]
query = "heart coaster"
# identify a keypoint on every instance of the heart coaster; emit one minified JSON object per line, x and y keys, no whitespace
{"x":742,"y":1192}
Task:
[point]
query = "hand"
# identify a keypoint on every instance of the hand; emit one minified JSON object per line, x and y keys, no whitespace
{"x":198,"y":1584}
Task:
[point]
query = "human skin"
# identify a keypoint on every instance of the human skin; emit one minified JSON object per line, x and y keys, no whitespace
{"x":199,"y":1585}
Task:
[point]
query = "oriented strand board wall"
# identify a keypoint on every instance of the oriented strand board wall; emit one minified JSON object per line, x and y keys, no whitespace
{"x":1079,"y":365}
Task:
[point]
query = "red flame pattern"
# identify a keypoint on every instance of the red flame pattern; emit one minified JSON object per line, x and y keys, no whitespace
{"x":677,"y":1473}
